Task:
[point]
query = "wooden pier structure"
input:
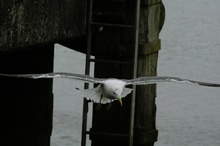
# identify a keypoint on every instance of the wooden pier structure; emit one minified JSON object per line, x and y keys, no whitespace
{"x":123,"y":36}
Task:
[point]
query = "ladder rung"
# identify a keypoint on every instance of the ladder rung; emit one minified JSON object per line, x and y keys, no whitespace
{"x":109,"y":61}
{"x":109,"y":14}
{"x":108,"y":134}
{"x":112,"y":25}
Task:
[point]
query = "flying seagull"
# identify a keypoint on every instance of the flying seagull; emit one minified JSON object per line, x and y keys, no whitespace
{"x":110,"y":89}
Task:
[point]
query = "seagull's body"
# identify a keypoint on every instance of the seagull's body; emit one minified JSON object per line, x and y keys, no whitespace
{"x":107,"y":91}
{"x":110,"y":86}
{"x":110,"y":89}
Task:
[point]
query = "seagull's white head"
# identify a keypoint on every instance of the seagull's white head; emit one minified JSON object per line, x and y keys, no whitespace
{"x":113,"y":89}
{"x":117,"y":94}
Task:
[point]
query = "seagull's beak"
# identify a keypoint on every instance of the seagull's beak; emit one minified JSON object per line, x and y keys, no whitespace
{"x":119,"y":99}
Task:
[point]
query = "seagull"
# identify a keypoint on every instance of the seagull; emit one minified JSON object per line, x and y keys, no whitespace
{"x":110,"y":89}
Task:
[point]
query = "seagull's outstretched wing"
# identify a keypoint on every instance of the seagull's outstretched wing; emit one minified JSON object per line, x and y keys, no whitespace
{"x":156,"y":79}
{"x":80,"y":77}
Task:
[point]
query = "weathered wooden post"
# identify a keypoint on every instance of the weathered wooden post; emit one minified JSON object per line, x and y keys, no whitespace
{"x":26,"y":105}
{"x":28,"y":31}
{"x":115,"y":44}
{"x":151,"y":21}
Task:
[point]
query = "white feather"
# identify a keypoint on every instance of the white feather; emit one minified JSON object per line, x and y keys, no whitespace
{"x":94,"y":94}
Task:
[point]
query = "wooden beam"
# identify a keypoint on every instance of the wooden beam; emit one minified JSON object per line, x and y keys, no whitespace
{"x":29,"y":23}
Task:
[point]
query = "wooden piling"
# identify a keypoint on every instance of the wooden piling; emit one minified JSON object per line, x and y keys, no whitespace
{"x":26,"y":104}
{"x":114,"y":44}
{"x":145,"y":115}
{"x":28,"y":30}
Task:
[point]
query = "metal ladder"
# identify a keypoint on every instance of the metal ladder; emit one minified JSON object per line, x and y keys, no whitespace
{"x":90,"y":24}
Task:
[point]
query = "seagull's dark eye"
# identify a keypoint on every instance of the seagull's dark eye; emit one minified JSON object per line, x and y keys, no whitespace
{"x":114,"y":93}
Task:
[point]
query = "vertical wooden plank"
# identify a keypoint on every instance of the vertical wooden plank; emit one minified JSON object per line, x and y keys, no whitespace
{"x":145,"y":116}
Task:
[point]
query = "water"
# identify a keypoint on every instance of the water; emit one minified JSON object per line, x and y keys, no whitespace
{"x":189,"y":115}
{"x":186,"y":115}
